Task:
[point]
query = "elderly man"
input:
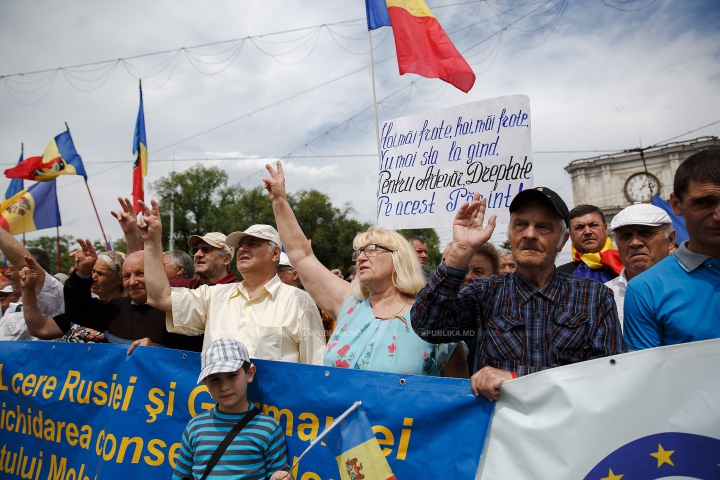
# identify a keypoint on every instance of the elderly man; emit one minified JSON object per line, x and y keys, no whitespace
{"x":677,"y":300}
{"x":286,"y":272}
{"x":178,"y":265}
{"x":507,"y":262}
{"x":275,"y":321}
{"x":211,"y":257}
{"x":124,"y":320}
{"x":523,"y":322}
{"x":593,"y":255}
{"x":47,"y":288}
{"x":421,"y":250}
{"x":8,"y":296}
{"x":644,"y":236}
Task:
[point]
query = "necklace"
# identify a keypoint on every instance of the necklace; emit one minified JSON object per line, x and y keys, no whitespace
{"x":396,"y":314}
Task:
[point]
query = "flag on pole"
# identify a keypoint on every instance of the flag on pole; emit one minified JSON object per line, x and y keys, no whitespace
{"x":422,"y":45}
{"x":59,"y":158}
{"x":356,"y":449}
{"x":32,"y":209}
{"x":16,"y":184}
{"x":141,"y":157}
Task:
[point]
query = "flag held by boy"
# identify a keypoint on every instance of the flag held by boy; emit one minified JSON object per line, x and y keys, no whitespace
{"x":422,"y":45}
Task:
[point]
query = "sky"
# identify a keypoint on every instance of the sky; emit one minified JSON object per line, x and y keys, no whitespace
{"x":601,"y":75}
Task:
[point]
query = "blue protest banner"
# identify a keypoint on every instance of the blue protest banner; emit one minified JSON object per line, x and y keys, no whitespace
{"x":78,"y":411}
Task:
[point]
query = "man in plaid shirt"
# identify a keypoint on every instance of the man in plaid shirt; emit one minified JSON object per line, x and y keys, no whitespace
{"x":523,"y":322}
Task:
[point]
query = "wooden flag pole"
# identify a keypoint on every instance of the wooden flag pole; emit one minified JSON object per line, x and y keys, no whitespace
{"x":107,"y":245}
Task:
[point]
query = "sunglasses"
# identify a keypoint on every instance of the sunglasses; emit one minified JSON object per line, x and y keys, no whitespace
{"x":205,"y":249}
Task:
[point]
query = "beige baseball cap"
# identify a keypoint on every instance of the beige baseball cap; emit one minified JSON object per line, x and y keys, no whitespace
{"x":216,"y":239}
{"x":264,"y":232}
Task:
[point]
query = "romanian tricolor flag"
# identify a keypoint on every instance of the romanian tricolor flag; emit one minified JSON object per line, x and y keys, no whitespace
{"x":32,"y":209}
{"x":16,"y":184}
{"x":422,"y":45}
{"x":141,"y":157}
{"x":59,"y":158}
{"x":356,"y":449}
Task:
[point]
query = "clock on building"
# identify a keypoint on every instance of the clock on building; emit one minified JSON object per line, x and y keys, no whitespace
{"x":641,"y":187}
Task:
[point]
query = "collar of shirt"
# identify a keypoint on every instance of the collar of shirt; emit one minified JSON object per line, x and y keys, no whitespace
{"x":688,"y":260}
{"x":527,"y":290}
{"x":271,"y":287}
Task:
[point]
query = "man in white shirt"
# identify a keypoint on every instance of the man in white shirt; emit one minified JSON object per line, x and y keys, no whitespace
{"x":49,"y":290}
{"x":643,"y":235}
{"x":275,"y":321}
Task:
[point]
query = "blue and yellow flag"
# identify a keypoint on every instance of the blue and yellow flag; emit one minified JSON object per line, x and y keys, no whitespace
{"x":16,"y":184}
{"x":59,"y":158}
{"x":141,"y":157}
{"x":32,"y":209}
{"x":356,"y":449}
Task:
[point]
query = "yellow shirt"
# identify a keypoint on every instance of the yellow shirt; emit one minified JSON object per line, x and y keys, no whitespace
{"x":279,"y":323}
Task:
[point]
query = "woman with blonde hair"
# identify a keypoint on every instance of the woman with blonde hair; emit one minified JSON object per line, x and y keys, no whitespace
{"x":373,"y":329}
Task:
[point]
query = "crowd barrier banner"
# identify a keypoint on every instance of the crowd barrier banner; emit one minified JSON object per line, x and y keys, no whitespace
{"x":84,"y":412}
{"x":642,"y":415}
{"x":431,"y":163}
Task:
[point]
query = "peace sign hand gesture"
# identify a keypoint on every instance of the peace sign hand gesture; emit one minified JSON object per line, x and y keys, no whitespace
{"x":85,"y":258}
{"x":149,"y":222}
{"x":275,"y":185}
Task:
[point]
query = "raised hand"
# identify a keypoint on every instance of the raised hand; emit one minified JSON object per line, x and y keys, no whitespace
{"x":85,"y":258}
{"x":126,"y":217}
{"x":468,"y":229}
{"x":149,"y":223}
{"x":29,"y":275}
{"x":275,"y":185}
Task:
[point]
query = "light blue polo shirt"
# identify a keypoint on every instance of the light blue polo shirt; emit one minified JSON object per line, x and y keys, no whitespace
{"x":675,"y":301}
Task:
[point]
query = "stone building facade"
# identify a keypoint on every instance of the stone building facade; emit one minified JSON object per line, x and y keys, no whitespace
{"x":611,"y":181}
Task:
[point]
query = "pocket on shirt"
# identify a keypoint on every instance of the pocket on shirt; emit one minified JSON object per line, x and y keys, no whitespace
{"x":269,"y":342}
{"x":504,"y":338}
{"x":569,"y":340}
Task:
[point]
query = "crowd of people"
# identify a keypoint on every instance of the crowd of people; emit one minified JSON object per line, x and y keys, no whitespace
{"x":486,"y":313}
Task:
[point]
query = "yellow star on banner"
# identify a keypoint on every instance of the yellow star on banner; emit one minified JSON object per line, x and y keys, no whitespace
{"x":612,"y":476}
{"x":663,"y":456}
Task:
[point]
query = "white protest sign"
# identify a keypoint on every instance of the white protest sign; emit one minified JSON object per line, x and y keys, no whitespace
{"x":430,"y":164}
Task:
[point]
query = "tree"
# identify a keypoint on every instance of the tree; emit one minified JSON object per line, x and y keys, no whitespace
{"x":432,"y":240}
{"x":49,"y":244}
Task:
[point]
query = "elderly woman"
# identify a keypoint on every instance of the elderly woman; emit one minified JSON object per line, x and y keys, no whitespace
{"x":485,"y":263}
{"x":373,"y":329}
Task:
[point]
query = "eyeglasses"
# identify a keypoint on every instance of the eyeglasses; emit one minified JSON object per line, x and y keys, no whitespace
{"x":369,"y":251}
{"x":205,"y":249}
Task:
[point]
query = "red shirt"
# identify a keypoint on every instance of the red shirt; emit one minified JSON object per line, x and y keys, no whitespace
{"x":193,"y":283}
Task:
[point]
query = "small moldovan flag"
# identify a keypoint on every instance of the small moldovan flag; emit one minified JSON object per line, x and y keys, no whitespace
{"x":59,"y":158}
{"x":356,"y":449}
{"x":422,"y":45}
{"x":32,"y":209}
{"x":16,"y":184}
{"x":141,"y":157}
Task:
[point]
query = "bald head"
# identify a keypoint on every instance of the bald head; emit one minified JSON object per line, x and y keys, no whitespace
{"x":134,"y":277}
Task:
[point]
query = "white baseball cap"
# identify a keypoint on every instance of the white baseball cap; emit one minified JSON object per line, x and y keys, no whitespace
{"x":640,"y":214}
{"x":264,"y":232}
{"x":285,"y":260}
{"x":223,"y":355}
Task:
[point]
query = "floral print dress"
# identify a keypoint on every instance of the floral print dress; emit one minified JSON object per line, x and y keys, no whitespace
{"x":364,"y":342}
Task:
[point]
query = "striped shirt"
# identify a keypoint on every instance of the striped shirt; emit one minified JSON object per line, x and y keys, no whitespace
{"x":257,"y":451}
{"x":511,"y":325}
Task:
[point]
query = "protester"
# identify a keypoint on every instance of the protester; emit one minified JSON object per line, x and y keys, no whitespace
{"x":274,"y":320}
{"x":178,"y":265}
{"x":125,"y":320}
{"x":47,"y":288}
{"x":484,"y":263}
{"x":677,"y":300}
{"x":7,"y":296}
{"x":286,"y":272}
{"x":592,"y":252}
{"x":527,"y":321}
{"x":507,"y":262}
{"x":258,"y":450}
{"x":644,"y":236}
{"x":350,"y":273}
{"x":211,"y":258}
{"x":421,"y":250}
{"x":373,"y":329}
